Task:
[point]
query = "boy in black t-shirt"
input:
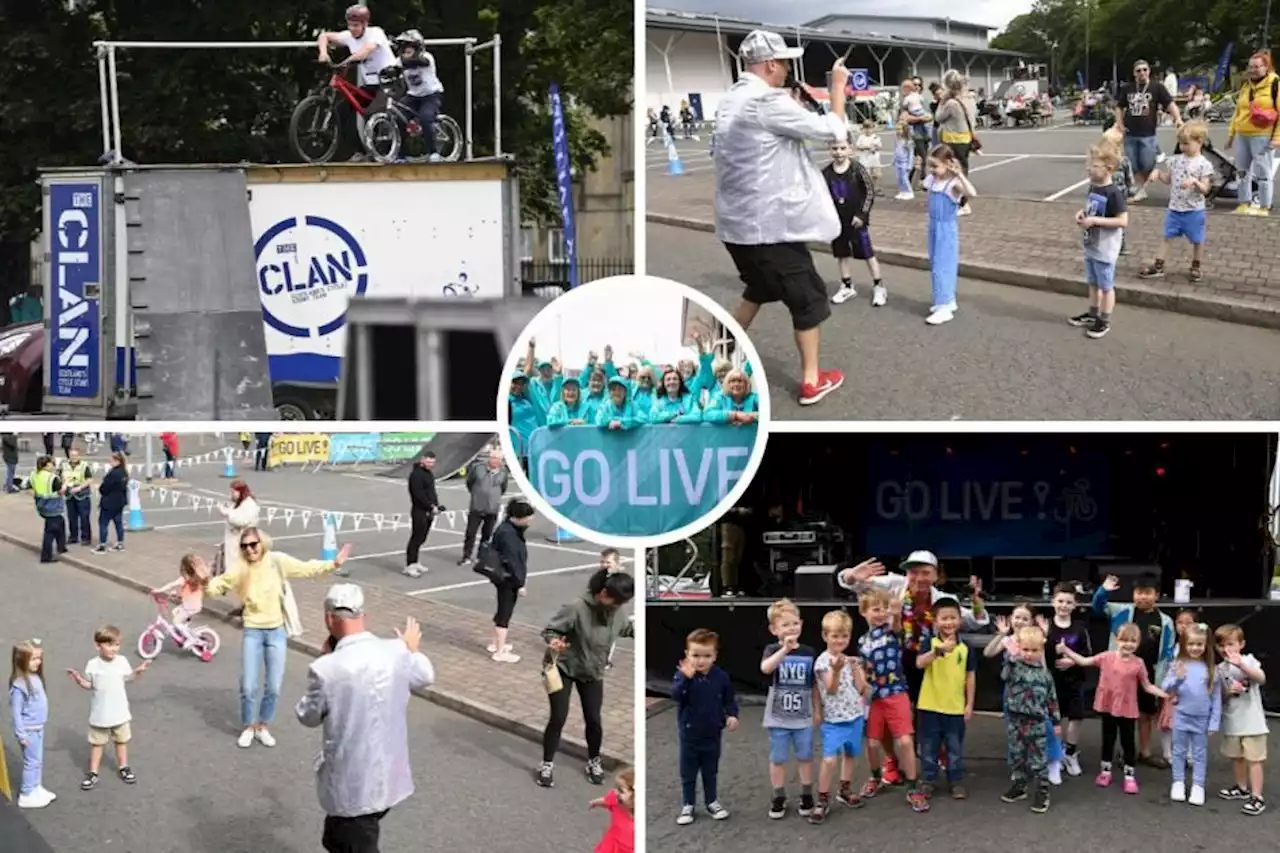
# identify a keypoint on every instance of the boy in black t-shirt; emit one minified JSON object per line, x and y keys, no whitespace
{"x":1068,"y":679}
{"x":852,"y":190}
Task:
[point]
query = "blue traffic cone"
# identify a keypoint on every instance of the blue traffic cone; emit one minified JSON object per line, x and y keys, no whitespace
{"x":329,"y":548}
{"x":562,"y":536}
{"x":229,"y":468}
{"x":136,"y":523}
{"x":674,"y":166}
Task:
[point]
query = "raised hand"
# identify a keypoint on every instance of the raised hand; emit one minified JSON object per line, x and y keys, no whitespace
{"x":1043,"y":624}
{"x":1111,"y":583}
{"x":686,"y":667}
{"x":608,"y":353}
{"x":1002,"y":624}
{"x":975,"y":586}
{"x":863,"y":572}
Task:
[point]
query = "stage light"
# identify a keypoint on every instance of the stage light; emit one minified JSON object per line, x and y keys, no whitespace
{"x":1160,"y":472}
{"x":1071,"y":450}
{"x":950,"y":451}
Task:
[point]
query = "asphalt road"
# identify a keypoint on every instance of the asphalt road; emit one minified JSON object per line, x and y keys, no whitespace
{"x":1040,"y":164}
{"x":557,"y":573}
{"x":1147,"y":822}
{"x":1008,"y":355}
{"x":198,"y":792}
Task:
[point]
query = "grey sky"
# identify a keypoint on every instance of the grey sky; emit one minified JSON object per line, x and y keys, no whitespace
{"x":997,"y":13}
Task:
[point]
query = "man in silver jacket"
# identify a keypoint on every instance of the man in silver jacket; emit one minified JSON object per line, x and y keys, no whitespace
{"x":771,"y":199}
{"x":359,"y":692}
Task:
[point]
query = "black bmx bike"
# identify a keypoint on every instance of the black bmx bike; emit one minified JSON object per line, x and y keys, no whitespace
{"x":392,"y":131}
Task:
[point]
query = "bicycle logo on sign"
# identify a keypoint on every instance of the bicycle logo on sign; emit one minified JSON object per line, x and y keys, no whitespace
{"x":1075,"y":503}
{"x":461,"y":287}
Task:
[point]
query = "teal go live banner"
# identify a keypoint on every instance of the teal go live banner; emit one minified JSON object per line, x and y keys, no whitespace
{"x":639,"y":482}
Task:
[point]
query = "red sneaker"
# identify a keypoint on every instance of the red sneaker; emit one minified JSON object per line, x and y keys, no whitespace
{"x":828,"y":381}
{"x":890,"y":774}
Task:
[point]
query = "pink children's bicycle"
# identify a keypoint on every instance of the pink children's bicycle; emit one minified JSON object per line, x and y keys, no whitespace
{"x":204,"y":642}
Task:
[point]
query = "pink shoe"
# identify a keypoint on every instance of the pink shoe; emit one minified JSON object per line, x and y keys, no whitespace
{"x":1103,"y":779}
{"x":1130,"y":785}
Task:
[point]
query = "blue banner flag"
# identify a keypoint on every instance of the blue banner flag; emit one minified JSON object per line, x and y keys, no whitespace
{"x":639,"y":482}
{"x":1223,"y":73}
{"x":1036,"y":501}
{"x":76,"y":269}
{"x":564,"y":178}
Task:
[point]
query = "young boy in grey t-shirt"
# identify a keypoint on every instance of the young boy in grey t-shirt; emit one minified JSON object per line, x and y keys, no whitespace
{"x":788,"y":710}
{"x":1103,"y":218}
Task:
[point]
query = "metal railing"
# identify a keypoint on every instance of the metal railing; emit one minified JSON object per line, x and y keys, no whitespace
{"x":548,"y":279}
{"x":109,"y":90}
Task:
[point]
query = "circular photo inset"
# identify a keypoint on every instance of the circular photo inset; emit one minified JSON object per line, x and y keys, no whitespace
{"x":635,"y":410}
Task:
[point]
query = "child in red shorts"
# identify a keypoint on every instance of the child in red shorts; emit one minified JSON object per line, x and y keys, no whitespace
{"x":889,"y":724}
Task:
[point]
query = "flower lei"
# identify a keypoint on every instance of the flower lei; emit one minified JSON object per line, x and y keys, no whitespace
{"x":914,"y":626}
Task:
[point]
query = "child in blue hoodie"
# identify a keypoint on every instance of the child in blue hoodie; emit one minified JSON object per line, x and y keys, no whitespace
{"x":30,"y":706}
{"x":618,"y":412}
{"x":705,"y":708}
{"x":1197,"y":711}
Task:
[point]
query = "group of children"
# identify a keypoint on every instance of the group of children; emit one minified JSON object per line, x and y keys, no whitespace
{"x":1105,"y":216}
{"x":1160,"y":674}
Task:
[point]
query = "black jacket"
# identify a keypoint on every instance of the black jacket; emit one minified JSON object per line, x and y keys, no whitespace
{"x":422,"y":489}
{"x":509,"y":546}
{"x":114,"y":491}
{"x":851,"y":191}
{"x":10,"y":445}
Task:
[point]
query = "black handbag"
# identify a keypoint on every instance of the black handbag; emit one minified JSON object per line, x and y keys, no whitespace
{"x":489,"y":564}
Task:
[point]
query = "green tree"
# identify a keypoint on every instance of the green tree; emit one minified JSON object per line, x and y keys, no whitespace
{"x":231,"y":106}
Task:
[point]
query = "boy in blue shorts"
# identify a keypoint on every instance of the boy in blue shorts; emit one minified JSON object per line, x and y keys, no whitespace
{"x":843,"y":686}
{"x":946,"y":697}
{"x":1190,"y":179}
{"x":788,"y":709}
{"x":1103,"y":219}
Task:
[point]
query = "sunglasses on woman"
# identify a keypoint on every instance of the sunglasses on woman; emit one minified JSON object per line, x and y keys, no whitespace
{"x":246,"y":546}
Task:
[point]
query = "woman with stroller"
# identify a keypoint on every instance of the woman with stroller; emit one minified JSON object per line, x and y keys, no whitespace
{"x":1253,"y":136}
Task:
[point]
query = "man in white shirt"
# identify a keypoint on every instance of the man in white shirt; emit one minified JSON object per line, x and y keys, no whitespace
{"x":771,"y":200}
{"x":359,"y":691}
{"x":371,"y":51}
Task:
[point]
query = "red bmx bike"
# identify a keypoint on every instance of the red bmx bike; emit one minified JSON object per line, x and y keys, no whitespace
{"x":387,"y":130}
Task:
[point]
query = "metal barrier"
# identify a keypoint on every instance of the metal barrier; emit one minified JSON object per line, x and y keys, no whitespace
{"x":109,"y":91}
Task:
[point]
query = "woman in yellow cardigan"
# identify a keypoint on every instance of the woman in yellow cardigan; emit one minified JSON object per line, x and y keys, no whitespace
{"x":1255,"y":134}
{"x":5,"y":789}
{"x":256,"y":575}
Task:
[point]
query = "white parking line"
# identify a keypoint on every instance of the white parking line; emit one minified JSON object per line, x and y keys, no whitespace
{"x":1060,"y":193}
{"x":468,"y":584}
{"x":1013,"y":159}
{"x":399,"y":551}
{"x":188,"y":524}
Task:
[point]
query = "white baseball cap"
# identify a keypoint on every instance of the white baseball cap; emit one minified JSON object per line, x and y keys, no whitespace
{"x":762,"y":45}
{"x":344,"y":596}
{"x":919,"y":558}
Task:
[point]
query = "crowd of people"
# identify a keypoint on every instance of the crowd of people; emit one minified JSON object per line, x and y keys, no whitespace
{"x":359,"y":677}
{"x":641,"y":393}
{"x":907,"y":686}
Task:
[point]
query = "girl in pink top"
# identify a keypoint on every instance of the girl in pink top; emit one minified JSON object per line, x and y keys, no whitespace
{"x":620,"y":837}
{"x":1120,"y":675}
{"x":189,"y":590}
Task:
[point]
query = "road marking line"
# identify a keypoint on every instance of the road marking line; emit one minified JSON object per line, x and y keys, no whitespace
{"x":1014,"y":159}
{"x":399,"y":551}
{"x":188,"y":524}
{"x":468,"y":584}
{"x":1060,"y":193}
{"x":308,"y":535}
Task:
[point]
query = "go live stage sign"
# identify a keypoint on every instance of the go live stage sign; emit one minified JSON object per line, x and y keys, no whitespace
{"x":640,"y":482}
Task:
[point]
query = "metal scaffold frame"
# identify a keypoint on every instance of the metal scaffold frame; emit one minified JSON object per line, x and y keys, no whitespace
{"x":109,"y":80}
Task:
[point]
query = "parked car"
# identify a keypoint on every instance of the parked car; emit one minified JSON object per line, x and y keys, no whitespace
{"x":22,"y":368}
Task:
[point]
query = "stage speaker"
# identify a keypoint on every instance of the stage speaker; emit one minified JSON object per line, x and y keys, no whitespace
{"x":1128,"y":573}
{"x":815,"y":583}
{"x":428,"y":359}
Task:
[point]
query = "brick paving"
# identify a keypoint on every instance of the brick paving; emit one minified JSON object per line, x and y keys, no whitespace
{"x":1037,"y":244}
{"x":509,"y":697}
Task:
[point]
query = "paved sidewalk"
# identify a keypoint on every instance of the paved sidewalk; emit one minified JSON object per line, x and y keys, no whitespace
{"x":509,"y":697}
{"x":1037,"y":244}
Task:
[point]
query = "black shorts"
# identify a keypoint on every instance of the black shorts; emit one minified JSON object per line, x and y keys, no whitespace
{"x":853,"y":243}
{"x":921,"y":146}
{"x":1070,"y":698}
{"x":783,"y":272}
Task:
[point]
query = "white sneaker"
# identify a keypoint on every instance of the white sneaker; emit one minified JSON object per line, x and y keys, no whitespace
{"x":416,"y":570}
{"x":1055,"y":772}
{"x":1197,"y":795}
{"x":1072,"y":764}
{"x":879,"y":296}
{"x":505,"y":656}
{"x":49,"y":795}
{"x":1178,"y":793}
{"x":264,"y":737}
{"x":1140,"y":195}
{"x":492,"y":649}
{"x":940,"y":316}
{"x":686,"y":816}
{"x":844,"y":294}
{"x":246,"y":739}
{"x":34,"y":800}
{"x":718,"y":812}
{"x":966,"y":210}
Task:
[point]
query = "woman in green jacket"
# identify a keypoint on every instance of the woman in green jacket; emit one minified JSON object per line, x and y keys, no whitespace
{"x":579,"y":639}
